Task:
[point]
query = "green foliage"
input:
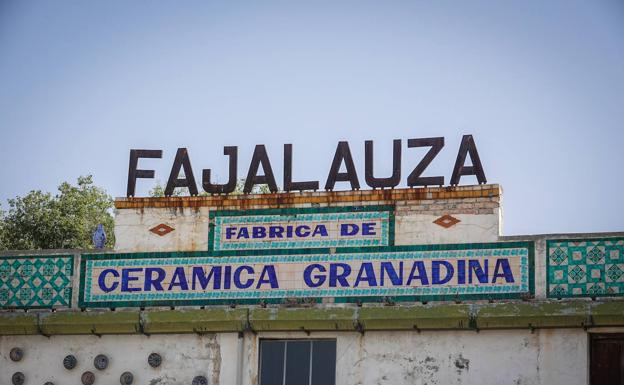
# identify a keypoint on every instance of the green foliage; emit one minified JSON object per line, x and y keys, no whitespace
{"x":68,"y":219}
{"x":257,"y":189}
{"x":159,"y":190}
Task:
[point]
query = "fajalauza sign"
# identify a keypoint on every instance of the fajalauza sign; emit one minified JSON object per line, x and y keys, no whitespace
{"x":494,"y":270}
{"x":342,"y":157}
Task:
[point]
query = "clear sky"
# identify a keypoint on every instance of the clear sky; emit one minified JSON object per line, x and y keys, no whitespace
{"x":540,"y":85}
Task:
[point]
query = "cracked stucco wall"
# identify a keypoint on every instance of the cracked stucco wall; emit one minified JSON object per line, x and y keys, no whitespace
{"x":544,"y":357}
{"x":541,"y":357}
{"x":184,"y":357}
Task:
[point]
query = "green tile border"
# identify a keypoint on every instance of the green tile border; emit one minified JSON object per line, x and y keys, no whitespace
{"x":549,"y":270}
{"x":529,"y":245}
{"x":295,"y":211}
{"x":70,"y":277}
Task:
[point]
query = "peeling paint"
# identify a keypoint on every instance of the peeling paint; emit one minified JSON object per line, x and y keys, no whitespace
{"x":215,"y":355}
{"x":462,"y":363}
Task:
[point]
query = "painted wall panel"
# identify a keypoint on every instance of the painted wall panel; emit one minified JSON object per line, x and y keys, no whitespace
{"x":298,"y":228}
{"x":36,"y":281}
{"x":495,"y":270}
{"x":585,"y":267}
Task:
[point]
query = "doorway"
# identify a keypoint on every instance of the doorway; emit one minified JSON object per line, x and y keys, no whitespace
{"x":606,"y":359}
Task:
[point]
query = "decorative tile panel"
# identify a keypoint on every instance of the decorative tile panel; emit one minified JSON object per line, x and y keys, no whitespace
{"x":446,"y":221}
{"x":403,"y":273}
{"x":35,"y":282}
{"x":585,"y":267}
{"x":301,"y":228}
{"x":161,"y":229}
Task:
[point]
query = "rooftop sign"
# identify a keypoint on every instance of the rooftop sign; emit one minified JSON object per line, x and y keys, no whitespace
{"x":342,"y":157}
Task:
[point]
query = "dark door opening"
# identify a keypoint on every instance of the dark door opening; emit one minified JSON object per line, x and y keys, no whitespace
{"x":606,"y":359}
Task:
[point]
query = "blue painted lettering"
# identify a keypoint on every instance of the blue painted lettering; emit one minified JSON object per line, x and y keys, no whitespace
{"x":237,"y":277}
{"x":320,"y":230}
{"x":348,"y":229}
{"x":269,"y":276}
{"x":151,"y":281}
{"x":200,"y":275}
{"x":315,"y":280}
{"x":336,"y":276}
{"x":126,"y":279}
{"x":302,"y":231}
{"x":102,"y":280}
{"x":387,"y":268}
{"x":243,"y":233}
{"x":366,"y":273}
{"x":503,"y":263}
{"x":276,"y":232}
{"x":368,"y":228}
{"x":481,"y":272}
{"x":422,"y":274}
{"x":461,"y":272}
{"x":229,"y":232}
{"x":178,"y":279}
{"x":436,"y":278}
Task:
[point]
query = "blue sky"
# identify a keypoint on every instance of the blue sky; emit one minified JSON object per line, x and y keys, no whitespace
{"x":540,"y":85}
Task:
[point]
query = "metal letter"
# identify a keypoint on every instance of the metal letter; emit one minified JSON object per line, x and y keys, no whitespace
{"x":181,"y":161}
{"x":468,"y":147}
{"x":260,"y":157}
{"x":232,"y":152}
{"x":133,"y":173}
{"x":289,"y":185}
{"x":415,"y":178}
{"x":343,"y":153}
{"x":395,"y":178}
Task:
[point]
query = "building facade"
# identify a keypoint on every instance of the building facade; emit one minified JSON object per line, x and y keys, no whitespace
{"x":401,"y":286}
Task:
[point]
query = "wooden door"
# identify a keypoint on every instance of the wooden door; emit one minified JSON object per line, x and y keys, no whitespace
{"x":606,"y":359}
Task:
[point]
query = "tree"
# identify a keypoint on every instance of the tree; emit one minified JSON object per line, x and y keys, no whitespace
{"x":159,"y":190}
{"x":68,"y":219}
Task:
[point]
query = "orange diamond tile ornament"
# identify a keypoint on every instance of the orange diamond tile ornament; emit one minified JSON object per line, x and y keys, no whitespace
{"x":446,"y":221}
{"x":162,"y":229}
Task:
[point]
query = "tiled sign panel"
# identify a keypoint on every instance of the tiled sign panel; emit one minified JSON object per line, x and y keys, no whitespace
{"x":585,"y":268}
{"x":499,"y":270}
{"x":35,"y":282}
{"x":301,"y":228}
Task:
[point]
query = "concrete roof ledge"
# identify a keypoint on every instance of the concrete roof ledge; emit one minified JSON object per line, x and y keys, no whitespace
{"x":439,"y":316}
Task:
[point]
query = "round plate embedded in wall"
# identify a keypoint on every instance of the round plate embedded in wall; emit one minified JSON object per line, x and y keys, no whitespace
{"x":100,"y":362}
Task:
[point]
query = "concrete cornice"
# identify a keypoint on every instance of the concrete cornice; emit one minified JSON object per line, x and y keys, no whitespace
{"x":439,"y":316}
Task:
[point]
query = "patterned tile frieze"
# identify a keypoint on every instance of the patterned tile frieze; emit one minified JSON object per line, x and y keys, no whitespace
{"x":585,"y":267}
{"x":301,"y":228}
{"x":471,"y":271}
{"x":35,"y":282}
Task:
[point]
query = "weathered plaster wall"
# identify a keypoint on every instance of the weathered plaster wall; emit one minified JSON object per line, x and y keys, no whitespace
{"x":477,"y":208}
{"x":479,"y":221}
{"x":184,"y":357}
{"x":445,"y":357}
{"x":190,"y":229}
